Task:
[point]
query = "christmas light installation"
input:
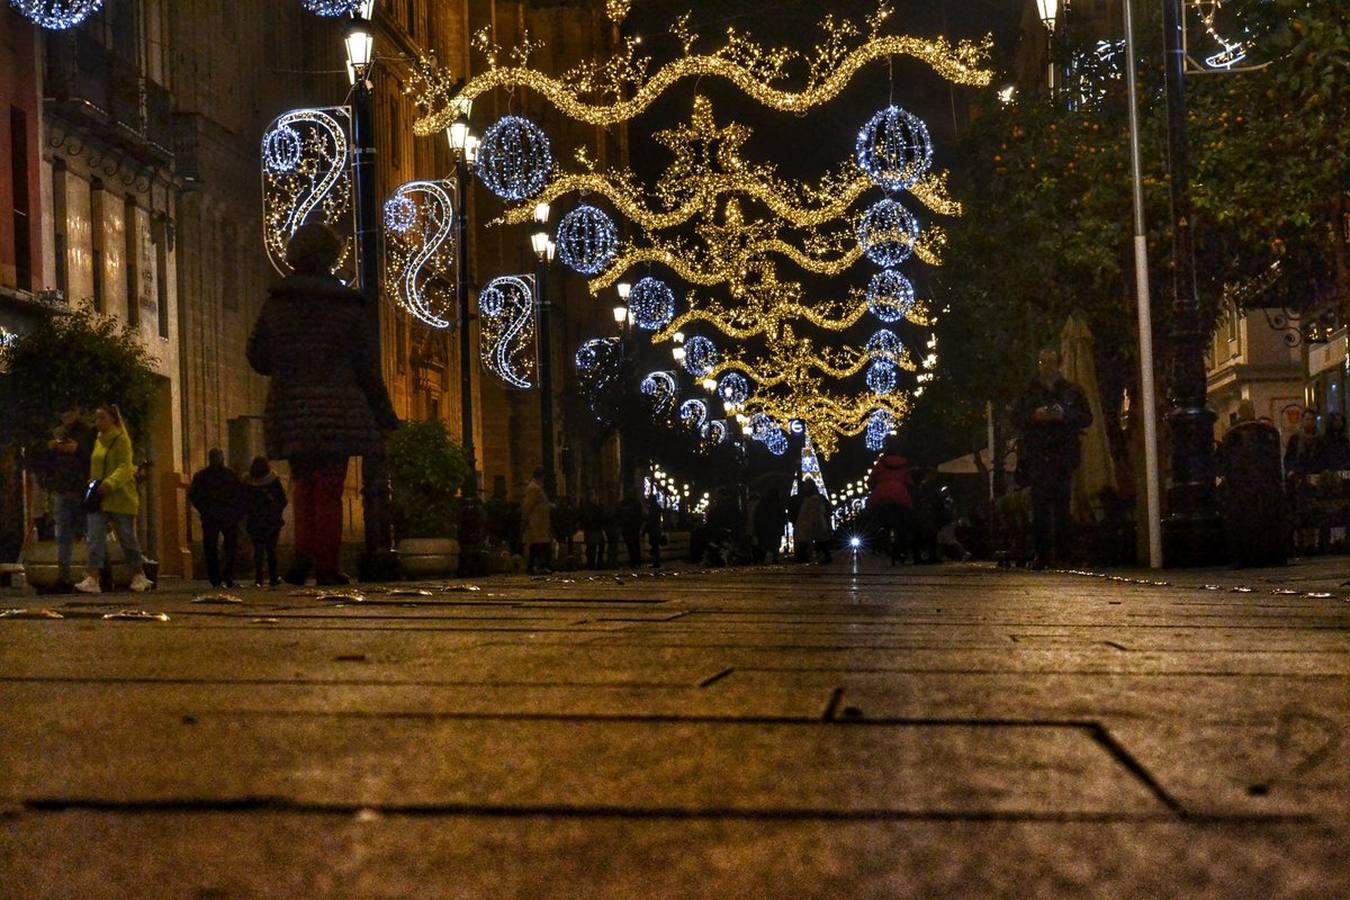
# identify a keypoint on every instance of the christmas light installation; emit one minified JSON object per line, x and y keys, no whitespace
{"x":757,"y":71}
{"x":306,"y":176}
{"x":652,"y":303}
{"x":592,"y":353}
{"x":775,"y":442}
{"x":694,"y":413}
{"x":885,"y":343}
{"x":890,"y":296}
{"x":700,"y":355}
{"x":331,"y":8}
{"x":508,"y":342}
{"x":881,"y":376}
{"x":716,"y":431}
{"x":894,"y":149}
{"x":888,"y":233}
{"x":420,"y":245}
{"x":879,"y":427}
{"x":661,"y":388}
{"x":514,"y":158}
{"x":734,"y":388}
{"x":587,"y":240}
{"x":57,"y":15}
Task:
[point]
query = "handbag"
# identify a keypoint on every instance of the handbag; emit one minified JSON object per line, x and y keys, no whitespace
{"x":93,"y":500}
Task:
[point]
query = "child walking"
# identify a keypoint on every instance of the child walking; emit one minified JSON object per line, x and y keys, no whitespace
{"x":266,"y":500}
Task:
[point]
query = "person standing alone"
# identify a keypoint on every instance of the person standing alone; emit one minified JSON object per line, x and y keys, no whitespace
{"x":536,"y":521}
{"x":218,"y":496}
{"x":71,"y":447}
{"x":1049,"y":417}
{"x":112,"y":499}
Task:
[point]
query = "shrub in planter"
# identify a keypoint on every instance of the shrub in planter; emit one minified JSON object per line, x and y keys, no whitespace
{"x":426,"y":469}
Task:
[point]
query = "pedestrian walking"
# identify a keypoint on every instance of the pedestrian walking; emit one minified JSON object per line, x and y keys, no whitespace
{"x":327,"y":400}
{"x":929,"y":517}
{"x":812,"y":529}
{"x":1251,"y":496}
{"x":1302,"y":460}
{"x":630,"y":523}
{"x":66,"y":476}
{"x":613,"y":531}
{"x":1049,"y":417}
{"x":652,"y":526}
{"x":218,"y":496}
{"x":266,"y":503}
{"x":891,"y":501}
{"x":591,"y":518}
{"x":536,"y":522}
{"x":770,"y":521}
{"x":112,"y":500}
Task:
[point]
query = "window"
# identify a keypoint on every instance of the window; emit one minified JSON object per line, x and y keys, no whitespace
{"x":131,"y":228}
{"x":59,"y":227}
{"x":18,"y":170}
{"x":162,"y":274}
{"x":96,"y":239}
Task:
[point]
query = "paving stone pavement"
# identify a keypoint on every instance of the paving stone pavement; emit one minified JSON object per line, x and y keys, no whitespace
{"x":845,"y":731}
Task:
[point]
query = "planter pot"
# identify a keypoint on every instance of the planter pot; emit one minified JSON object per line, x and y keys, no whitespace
{"x":40,"y":568}
{"x":428,"y":557}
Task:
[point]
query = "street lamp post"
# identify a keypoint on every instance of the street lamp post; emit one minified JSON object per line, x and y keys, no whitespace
{"x":1049,"y":13}
{"x":1191,"y":532}
{"x":379,"y":562}
{"x":471,"y":531}
{"x":543,"y":252}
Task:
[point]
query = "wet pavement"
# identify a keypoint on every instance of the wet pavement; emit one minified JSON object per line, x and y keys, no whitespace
{"x":853,"y":730}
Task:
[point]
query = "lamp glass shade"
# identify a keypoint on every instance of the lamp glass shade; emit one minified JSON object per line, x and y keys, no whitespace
{"x":458,"y":134}
{"x":1049,"y":11}
{"x":624,"y":289}
{"x":678,"y":353}
{"x":539,"y":242}
{"x":365,"y":10}
{"x":620,"y":315}
{"x":471,"y":145}
{"x":710,"y":384}
{"x":360,"y":45}
{"x":551,"y":251}
{"x":541,"y":213}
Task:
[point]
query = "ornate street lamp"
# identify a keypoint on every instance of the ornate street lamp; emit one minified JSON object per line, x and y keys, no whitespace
{"x":543,"y":252}
{"x":1049,"y":12}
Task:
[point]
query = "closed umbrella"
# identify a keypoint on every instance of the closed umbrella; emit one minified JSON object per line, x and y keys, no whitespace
{"x":1096,"y":467}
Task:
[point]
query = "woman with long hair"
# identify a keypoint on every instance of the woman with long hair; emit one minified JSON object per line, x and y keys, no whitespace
{"x":112,"y":478}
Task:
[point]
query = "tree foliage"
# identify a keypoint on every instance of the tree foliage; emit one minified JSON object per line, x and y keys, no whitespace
{"x":426,"y":469}
{"x":76,"y":358}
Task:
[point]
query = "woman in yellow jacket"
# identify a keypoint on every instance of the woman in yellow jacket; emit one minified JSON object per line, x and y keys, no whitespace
{"x":112,"y":467}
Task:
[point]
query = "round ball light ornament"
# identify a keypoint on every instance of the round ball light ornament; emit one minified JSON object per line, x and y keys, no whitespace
{"x":400,"y":214}
{"x":700,"y":355}
{"x":331,"y":8}
{"x":57,"y":14}
{"x":776,"y":443}
{"x":587,"y":240}
{"x":885,"y":344}
{"x":652,"y":303}
{"x":282,"y":149}
{"x":716,"y":431}
{"x":590,"y":354}
{"x":881,"y":377}
{"x":890,"y":296}
{"x":894,"y":149}
{"x":879,"y":428}
{"x":734,"y":388}
{"x":694,"y":412}
{"x":514,"y":158}
{"x":888,"y":233}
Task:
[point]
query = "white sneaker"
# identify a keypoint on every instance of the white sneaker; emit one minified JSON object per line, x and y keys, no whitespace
{"x":89,"y":585}
{"x":140,"y":583}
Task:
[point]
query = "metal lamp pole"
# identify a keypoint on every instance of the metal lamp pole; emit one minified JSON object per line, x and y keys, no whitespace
{"x":543,"y":252}
{"x":1191,"y":533}
{"x":379,"y":562}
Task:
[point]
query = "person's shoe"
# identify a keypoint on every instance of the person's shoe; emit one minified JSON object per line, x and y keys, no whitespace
{"x":258,"y":583}
{"x":89,"y":585}
{"x":140,"y":583}
{"x":331,"y":579}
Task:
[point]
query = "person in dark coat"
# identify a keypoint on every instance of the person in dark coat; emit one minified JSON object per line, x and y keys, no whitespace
{"x":218,"y":496}
{"x":770,"y":521}
{"x":1302,"y":451}
{"x":265,"y":502}
{"x":65,"y":476}
{"x":652,"y":526}
{"x":928,"y":517}
{"x":591,"y":518}
{"x":630,"y":523}
{"x":1333,"y":455}
{"x":890,"y":500}
{"x":1251,"y":497}
{"x":327,"y":400}
{"x":1049,"y":416}
{"x":613,"y":531}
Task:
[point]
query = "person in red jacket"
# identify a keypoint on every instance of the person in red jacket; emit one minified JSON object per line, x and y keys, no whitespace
{"x":891,"y":502}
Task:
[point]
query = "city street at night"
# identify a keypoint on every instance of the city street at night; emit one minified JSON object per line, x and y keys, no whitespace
{"x":852,"y":730}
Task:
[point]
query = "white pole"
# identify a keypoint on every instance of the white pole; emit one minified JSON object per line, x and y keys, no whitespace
{"x":1145,"y":308}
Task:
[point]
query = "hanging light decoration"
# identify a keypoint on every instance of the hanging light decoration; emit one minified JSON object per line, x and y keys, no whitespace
{"x":894,"y":149}
{"x":776,"y":443}
{"x":716,"y":431}
{"x":761,"y":426}
{"x":890,"y":296}
{"x":400,"y":213}
{"x":652,"y":303}
{"x":885,"y":344}
{"x":888,"y":233}
{"x":881,"y":377}
{"x":587,"y":240}
{"x":420,"y":248}
{"x":660,"y":386}
{"x":592,"y":353}
{"x":331,"y":8}
{"x":700,"y":355}
{"x":57,"y":14}
{"x":879,"y":428}
{"x":694,"y":413}
{"x":514,"y":158}
{"x":734,"y":388}
{"x":508,"y":344}
{"x":282,"y":149}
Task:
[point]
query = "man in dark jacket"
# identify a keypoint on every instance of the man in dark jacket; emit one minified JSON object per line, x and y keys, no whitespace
{"x":1252,"y":496}
{"x":890,"y":501}
{"x":327,"y":400}
{"x":66,"y":476}
{"x":218,"y":496}
{"x":1049,"y":416}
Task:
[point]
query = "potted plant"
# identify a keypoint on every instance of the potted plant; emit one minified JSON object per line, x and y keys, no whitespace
{"x":426,"y":469}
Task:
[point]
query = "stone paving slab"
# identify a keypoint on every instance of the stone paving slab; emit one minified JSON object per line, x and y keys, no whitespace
{"x":804,"y":731}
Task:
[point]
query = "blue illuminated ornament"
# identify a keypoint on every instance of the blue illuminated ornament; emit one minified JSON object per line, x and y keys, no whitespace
{"x":761,"y":426}
{"x":331,"y":7}
{"x":716,"y":431}
{"x":652,"y":303}
{"x":590,"y":354}
{"x":888,"y":233}
{"x":879,"y":428}
{"x":881,"y":377}
{"x":587,"y":240}
{"x":885,"y":344}
{"x":507,"y":330}
{"x":890,"y":296}
{"x":700,"y":355}
{"x":514,"y":158}
{"x":57,"y":14}
{"x":660,"y":386}
{"x":894,"y":149}
{"x":734,"y":388}
{"x":776,"y":443}
{"x":694,"y":412}
{"x":400,"y":213}
{"x":282,"y":149}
